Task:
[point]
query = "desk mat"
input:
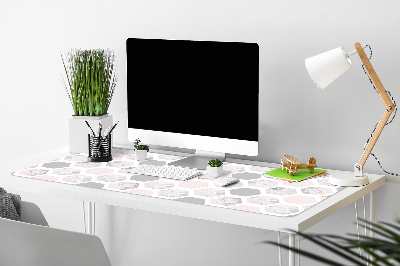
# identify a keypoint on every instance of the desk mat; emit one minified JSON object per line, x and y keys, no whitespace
{"x":254,"y":193}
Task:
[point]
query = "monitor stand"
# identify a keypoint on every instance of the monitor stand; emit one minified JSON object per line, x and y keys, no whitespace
{"x":199,"y":160}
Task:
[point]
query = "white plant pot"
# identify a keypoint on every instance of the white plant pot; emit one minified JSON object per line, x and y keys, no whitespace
{"x":78,"y":131}
{"x":141,"y":155}
{"x":215,"y":171}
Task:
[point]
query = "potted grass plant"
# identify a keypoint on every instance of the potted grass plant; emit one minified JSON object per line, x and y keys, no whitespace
{"x":140,"y":150}
{"x":215,"y":168}
{"x":90,"y":83}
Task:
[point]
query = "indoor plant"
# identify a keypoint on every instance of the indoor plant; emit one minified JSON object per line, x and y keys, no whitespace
{"x":141,"y":150}
{"x":90,"y":83}
{"x":91,"y":80}
{"x":215,"y":168}
{"x":381,"y":251}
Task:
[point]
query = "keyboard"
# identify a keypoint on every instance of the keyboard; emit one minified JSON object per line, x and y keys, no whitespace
{"x":165,"y":171}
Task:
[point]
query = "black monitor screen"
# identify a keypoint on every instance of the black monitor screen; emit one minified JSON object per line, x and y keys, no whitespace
{"x":193,"y":87}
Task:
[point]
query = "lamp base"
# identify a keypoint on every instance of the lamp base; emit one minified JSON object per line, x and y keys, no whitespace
{"x":347,"y":179}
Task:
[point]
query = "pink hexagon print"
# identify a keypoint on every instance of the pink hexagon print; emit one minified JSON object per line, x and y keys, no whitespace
{"x":77,"y":179}
{"x":254,"y":192}
{"x":76,"y":158}
{"x":111,"y":178}
{"x":123,"y":185}
{"x":99,"y":171}
{"x":87,"y":165}
{"x":66,"y":171}
{"x":282,"y":210}
{"x":226,"y":201}
{"x":191,"y":184}
{"x":209,"y":192}
{"x":31,"y":172}
{"x":281,"y":191}
{"x":298,"y":199}
{"x":317,"y":190}
{"x":263,"y":200}
{"x":262,"y":183}
{"x":173,"y":193}
{"x":159,"y":185}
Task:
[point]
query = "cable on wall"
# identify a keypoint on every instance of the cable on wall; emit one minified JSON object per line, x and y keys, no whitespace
{"x":390,"y":121}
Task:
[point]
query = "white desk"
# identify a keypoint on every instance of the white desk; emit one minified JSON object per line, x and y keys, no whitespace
{"x":297,"y":223}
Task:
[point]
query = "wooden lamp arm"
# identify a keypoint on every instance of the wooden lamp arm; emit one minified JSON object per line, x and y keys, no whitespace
{"x":389,"y":109}
{"x":371,"y":71}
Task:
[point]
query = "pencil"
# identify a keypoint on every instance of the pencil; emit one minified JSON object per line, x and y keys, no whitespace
{"x":89,"y":127}
{"x":112,"y":129}
{"x":89,"y":132}
{"x":106,"y":132}
{"x":98,"y":130}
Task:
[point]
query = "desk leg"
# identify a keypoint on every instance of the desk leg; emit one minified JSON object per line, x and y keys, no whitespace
{"x":88,"y":215}
{"x":298,"y":247}
{"x":279,"y":249}
{"x":372,"y":214}
{"x":372,"y":210}
{"x":292,"y":238}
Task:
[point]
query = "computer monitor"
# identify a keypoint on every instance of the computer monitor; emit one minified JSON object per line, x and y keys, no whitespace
{"x":199,"y":95}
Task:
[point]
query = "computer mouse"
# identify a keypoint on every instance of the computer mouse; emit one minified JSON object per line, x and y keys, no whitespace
{"x":225,"y":181}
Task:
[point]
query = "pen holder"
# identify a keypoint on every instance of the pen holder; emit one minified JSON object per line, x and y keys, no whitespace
{"x":99,"y":149}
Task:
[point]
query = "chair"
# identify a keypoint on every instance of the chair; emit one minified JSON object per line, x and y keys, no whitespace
{"x":32,"y":243}
{"x":32,"y":214}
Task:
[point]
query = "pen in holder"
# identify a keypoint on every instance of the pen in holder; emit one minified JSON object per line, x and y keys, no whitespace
{"x":99,"y":148}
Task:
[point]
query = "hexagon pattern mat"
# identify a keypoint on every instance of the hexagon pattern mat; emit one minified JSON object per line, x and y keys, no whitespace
{"x":254,"y":193}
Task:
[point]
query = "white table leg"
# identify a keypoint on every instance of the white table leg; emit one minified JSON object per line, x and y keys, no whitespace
{"x":292,"y":238}
{"x":372,"y":213}
{"x":298,"y":247}
{"x":88,"y":215}
{"x":279,"y":249}
{"x":372,"y":209}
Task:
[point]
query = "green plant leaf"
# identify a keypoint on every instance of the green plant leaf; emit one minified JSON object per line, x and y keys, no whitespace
{"x":384,"y":251}
{"x":91,"y":80}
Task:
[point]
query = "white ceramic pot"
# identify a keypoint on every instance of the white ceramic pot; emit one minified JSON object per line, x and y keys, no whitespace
{"x":141,"y":155}
{"x":215,"y":171}
{"x":78,"y":131}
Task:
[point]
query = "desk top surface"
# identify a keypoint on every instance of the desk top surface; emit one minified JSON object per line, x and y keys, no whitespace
{"x":299,"y":222}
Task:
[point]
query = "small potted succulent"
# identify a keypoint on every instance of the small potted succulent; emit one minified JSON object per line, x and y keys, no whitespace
{"x":141,"y":150}
{"x":215,"y":168}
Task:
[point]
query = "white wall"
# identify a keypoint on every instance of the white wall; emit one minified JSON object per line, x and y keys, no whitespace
{"x":295,"y":117}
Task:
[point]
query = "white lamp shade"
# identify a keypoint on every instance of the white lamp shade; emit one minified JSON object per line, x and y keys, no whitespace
{"x":326,"y":67}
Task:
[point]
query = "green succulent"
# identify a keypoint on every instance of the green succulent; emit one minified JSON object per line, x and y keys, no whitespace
{"x":91,"y":80}
{"x":215,"y":163}
{"x":140,"y":147}
{"x":382,"y":251}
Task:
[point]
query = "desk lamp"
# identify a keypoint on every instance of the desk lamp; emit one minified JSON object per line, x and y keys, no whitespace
{"x":323,"y":70}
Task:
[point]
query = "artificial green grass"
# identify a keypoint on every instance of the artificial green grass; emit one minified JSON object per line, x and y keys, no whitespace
{"x":304,"y":173}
